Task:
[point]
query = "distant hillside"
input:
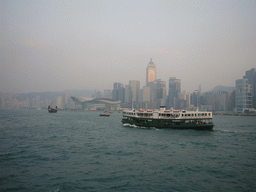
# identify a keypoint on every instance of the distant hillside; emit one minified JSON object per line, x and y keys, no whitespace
{"x":222,"y":88}
{"x":53,"y":95}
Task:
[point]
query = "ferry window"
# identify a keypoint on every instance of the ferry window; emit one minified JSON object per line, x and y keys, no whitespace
{"x":209,"y":114}
{"x":182,"y":115}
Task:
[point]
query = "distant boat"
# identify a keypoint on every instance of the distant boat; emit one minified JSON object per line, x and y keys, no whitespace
{"x":106,"y":114}
{"x":52,"y":110}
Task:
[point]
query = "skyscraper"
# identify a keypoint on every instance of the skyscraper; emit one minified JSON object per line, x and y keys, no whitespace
{"x":160,"y":93}
{"x":135,"y":87}
{"x":174,"y":92}
{"x":118,"y":92}
{"x":128,"y":94}
{"x":150,"y":73}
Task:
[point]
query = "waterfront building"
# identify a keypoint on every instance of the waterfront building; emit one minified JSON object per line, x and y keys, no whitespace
{"x":92,"y":104}
{"x":215,"y":101}
{"x":243,"y":95}
{"x":251,"y":76}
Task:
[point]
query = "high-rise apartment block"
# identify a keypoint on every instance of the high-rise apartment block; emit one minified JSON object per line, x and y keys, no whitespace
{"x":245,"y":98}
{"x":243,"y":95}
{"x":251,"y":76}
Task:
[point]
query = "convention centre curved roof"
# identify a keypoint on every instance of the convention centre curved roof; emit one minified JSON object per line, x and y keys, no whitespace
{"x":81,"y":100}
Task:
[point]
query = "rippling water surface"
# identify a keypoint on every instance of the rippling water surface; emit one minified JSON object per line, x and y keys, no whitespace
{"x":81,"y":151}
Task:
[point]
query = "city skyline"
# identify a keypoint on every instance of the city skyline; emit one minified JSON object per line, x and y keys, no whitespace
{"x":242,"y":98}
{"x":56,"y":46}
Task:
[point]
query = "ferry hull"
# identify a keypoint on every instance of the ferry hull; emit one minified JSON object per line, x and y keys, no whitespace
{"x":161,"y":124}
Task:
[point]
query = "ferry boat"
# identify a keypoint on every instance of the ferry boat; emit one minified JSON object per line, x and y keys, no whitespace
{"x":175,"y":119}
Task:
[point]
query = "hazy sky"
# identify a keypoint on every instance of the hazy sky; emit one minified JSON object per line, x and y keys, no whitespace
{"x":57,"y":45}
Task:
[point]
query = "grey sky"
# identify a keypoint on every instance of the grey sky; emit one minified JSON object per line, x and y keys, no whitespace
{"x":59,"y":45}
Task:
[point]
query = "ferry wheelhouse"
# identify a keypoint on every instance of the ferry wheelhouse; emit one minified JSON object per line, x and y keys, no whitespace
{"x":176,"y":119}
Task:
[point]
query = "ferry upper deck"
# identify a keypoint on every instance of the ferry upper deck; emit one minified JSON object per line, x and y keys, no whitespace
{"x":168,"y":114}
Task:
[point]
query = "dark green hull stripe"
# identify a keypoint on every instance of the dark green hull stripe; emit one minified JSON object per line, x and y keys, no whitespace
{"x":173,"y":125}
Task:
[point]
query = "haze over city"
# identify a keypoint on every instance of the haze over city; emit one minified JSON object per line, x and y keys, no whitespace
{"x":60,"y":45}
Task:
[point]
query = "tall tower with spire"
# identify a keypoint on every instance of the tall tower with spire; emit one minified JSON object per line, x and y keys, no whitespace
{"x":150,"y":73}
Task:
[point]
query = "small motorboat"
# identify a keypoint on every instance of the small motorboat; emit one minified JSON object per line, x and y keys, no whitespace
{"x":106,"y":114}
{"x":52,"y":110}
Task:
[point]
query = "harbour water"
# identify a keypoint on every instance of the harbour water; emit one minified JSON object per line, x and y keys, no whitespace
{"x":81,"y":151}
